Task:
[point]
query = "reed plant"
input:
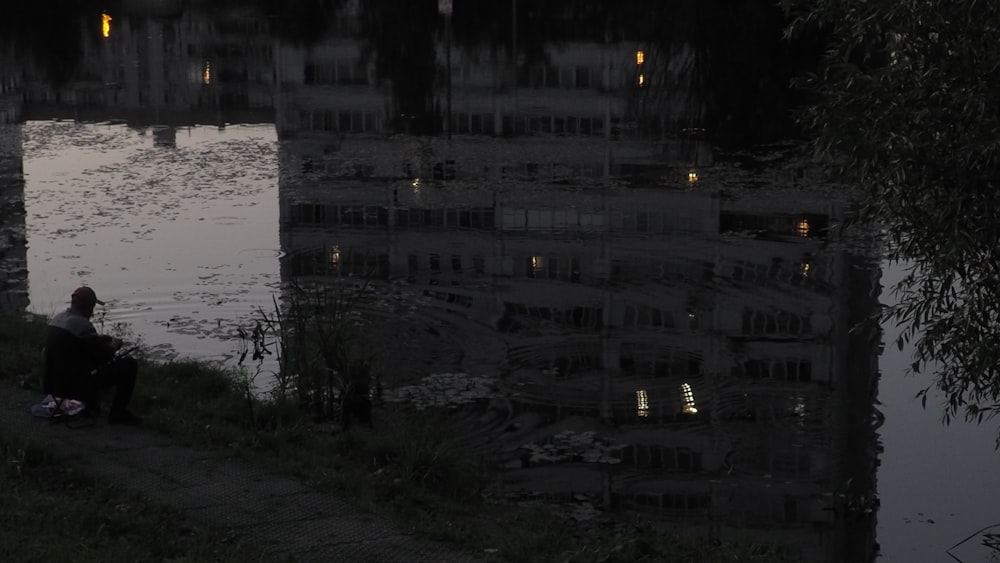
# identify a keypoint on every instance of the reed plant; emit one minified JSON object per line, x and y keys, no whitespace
{"x":316,"y":343}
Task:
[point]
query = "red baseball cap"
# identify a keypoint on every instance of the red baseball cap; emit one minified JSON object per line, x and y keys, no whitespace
{"x":85,"y":295}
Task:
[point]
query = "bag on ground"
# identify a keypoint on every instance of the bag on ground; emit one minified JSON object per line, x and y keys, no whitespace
{"x":56,"y":407}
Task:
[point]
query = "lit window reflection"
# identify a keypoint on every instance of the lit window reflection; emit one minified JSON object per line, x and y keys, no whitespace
{"x":105,"y":25}
{"x":642,"y":403}
{"x":642,"y":80}
{"x":692,"y":176}
{"x":640,"y":57}
{"x":335,"y":256}
{"x":802,"y":229}
{"x":688,"y":398}
{"x":536,"y":266}
{"x":206,"y":75}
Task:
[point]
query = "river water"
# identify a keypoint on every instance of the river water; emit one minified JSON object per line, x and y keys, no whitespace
{"x":626,"y":316}
{"x":181,"y":242}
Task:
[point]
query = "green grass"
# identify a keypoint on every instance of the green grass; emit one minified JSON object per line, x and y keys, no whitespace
{"x":51,"y":513}
{"x":409,"y":469}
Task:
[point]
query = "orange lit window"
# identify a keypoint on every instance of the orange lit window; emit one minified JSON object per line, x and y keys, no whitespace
{"x":802,"y":229}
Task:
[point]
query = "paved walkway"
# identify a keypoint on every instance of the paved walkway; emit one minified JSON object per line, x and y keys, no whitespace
{"x":275,"y":514}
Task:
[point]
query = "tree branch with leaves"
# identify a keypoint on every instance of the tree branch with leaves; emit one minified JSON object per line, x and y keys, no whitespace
{"x":905,"y":109}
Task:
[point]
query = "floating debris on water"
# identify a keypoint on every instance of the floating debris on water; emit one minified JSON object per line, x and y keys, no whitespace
{"x":575,"y":446}
{"x":445,"y":389}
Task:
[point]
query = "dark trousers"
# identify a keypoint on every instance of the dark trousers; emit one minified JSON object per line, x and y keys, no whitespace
{"x":121,"y":374}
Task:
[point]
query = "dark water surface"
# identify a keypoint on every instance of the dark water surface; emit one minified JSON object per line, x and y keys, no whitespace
{"x":615,"y":270}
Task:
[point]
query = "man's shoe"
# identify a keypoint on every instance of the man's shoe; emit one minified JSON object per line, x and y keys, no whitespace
{"x":123,"y":417}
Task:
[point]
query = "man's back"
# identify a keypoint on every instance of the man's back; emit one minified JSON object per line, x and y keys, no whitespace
{"x":72,"y":350}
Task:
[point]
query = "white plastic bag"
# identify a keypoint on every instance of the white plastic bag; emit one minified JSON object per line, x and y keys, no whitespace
{"x":52,"y":407}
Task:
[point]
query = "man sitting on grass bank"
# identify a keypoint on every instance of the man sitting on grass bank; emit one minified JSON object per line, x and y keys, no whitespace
{"x":80,"y":363}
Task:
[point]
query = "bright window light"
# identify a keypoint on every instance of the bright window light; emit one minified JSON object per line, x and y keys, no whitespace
{"x":688,"y":398}
{"x":642,"y":403}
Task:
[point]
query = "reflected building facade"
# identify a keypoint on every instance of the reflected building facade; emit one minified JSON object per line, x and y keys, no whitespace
{"x":153,"y":66}
{"x":634,"y":297}
{"x":626,"y":289}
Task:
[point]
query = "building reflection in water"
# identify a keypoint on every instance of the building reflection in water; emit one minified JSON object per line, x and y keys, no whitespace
{"x":663,"y":340}
{"x":159,"y":68}
{"x":665,"y":333}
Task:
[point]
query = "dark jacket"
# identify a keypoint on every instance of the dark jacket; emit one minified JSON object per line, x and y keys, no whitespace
{"x":73,"y":349}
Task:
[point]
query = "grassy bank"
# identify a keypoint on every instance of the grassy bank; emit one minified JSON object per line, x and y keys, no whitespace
{"x":51,"y":513}
{"x":408,"y":467}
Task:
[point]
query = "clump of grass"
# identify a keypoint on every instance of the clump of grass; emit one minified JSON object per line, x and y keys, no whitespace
{"x":319,"y":346}
{"x":420,"y":448}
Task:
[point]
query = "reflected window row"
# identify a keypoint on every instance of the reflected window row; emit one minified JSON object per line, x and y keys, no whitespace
{"x":546,"y":219}
{"x":645,"y":316}
{"x":776,"y":322}
{"x":669,"y":502}
{"x":800,"y":274}
{"x":551,"y":267}
{"x":357,"y":121}
{"x":575,"y":317}
{"x":646,"y":268}
{"x":357,"y":73}
{"x":782,"y":370}
{"x":336,"y":73}
{"x":346,"y":121}
{"x":805,"y":226}
{"x":678,"y":459}
{"x":551,"y":76}
{"x":651,"y":360}
{"x":547,"y":172}
{"x":241,"y":26}
{"x":320,"y":262}
{"x":434,"y":264}
{"x":238,"y":52}
{"x":335,"y":260}
{"x":798,"y":413}
{"x":311,"y":214}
